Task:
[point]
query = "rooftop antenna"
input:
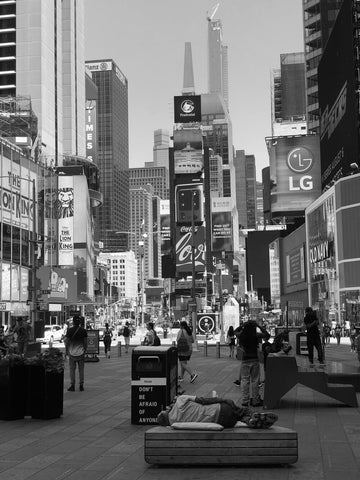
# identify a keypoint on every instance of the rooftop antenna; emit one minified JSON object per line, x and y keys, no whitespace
{"x":212,"y":13}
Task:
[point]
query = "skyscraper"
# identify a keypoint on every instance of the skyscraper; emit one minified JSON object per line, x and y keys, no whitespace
{"x":217,"y":59}
{"x":319,"y":18}
{"x":288,"y":102}
{"x":112,"y":153}
{"x":161,"y":148}
{"x":42,"y":56}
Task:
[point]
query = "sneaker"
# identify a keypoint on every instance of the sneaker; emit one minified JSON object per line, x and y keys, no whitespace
{"x":71,"y":388}
{"x":81,"y":388}
{"x":245,"y":404}
{"x":237,"y":383}
{"x":180,"y":379}
{"x":259,"y":403}
{"x":262,"y":419}
{"x":193,"y":377}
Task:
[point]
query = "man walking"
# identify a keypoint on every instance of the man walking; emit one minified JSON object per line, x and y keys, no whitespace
{"x":76,"y":343}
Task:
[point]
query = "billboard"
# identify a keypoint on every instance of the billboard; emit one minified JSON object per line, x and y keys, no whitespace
{"x":321,"y":250}
{"x":339,"y":136}
{"x":65,"y":215}
{"x":16,"y":194}
{"x":187,"y":108}
{"x":294,"y":173}
{"x":165,"y":227}
{"x":57,"y":285}
{"x":188,"y":151}
{"x":185,"y":238}
{"x":221,"y":224}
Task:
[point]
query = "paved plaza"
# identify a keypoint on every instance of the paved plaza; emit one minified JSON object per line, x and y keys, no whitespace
{"x":94,"y":439}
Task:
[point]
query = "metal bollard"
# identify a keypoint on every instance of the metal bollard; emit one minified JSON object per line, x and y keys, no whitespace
{"x":217,"y":349}
{"x":205,"y":348}
{"x":119,"y":348}
{"x":174,"y":343}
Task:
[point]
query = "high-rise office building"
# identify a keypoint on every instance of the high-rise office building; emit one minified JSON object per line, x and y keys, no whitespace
{"x":161,"y":148}
{"x":142,"y":228}
{"x":157,"y":177}
{"x":112,"y":153}
{"x":42,"y":56}
{"x":319,"y":18}
{"x":122,"y":272}
{"x":288,"y":102}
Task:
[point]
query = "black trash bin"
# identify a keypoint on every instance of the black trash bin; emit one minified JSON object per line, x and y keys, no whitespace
{"x":154,"y":382}
{"x":301,"y":344}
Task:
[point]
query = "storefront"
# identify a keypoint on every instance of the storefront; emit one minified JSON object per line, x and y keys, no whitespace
{"x":333,"y":252}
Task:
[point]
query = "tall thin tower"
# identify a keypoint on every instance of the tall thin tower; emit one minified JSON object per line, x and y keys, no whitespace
{"x":217,"y":58}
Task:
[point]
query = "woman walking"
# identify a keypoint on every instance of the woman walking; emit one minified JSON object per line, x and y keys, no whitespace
{"x":107,"y":338}
{"x":184,"y":343}
{"x":230,"y":340}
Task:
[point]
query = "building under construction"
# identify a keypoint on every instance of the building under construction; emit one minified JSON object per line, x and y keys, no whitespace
{"x":19,"y":124}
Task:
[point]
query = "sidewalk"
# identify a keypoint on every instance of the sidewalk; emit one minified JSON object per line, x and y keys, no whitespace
{"x":94,"y":439}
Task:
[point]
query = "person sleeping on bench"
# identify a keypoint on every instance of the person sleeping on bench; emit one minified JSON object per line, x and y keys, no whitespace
{"x":188,"y":408}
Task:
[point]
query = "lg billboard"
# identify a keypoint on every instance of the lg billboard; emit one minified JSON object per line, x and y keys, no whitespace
{"x":294,"y":173}
{"x":337,"y":100}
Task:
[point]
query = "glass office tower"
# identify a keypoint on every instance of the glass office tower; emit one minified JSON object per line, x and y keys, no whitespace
{"x":112,"y":154}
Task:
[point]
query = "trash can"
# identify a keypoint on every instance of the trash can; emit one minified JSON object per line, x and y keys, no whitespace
{"x":301,"y":344}
{"x":154,"y":379}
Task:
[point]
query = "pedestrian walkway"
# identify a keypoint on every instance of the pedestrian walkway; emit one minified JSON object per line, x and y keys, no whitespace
{"x":94,"y":439}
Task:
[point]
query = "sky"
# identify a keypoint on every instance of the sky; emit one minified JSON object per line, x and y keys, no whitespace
{"x":146,"y":39}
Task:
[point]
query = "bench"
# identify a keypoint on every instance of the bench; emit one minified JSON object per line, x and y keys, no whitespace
{"x":283,"y":373}
{"x":231,"y":446}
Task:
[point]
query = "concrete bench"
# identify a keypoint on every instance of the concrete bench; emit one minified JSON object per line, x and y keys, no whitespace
{"x":231,"y":446}
{"x":283,"y":373}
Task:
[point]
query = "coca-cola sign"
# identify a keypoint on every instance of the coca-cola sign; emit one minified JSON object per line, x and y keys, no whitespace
{"x":184,"y":248}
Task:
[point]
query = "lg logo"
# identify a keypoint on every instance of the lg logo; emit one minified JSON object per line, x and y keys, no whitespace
{"x":300,"y":160}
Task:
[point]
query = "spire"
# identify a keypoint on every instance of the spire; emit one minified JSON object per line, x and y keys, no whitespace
{"x":189,"y":84}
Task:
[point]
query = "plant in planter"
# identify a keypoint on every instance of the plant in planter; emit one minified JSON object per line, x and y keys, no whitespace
{"x":12,"y":387}
{"x":46,"y":384}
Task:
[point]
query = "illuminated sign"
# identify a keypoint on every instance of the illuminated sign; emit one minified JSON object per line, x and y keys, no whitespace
{"x":187,"y":109}
{"x":90,"y":130}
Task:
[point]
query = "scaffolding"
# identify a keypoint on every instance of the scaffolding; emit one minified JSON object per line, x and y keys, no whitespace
{"x":17,"y":119}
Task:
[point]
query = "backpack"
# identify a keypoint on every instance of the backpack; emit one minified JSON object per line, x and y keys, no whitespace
{"x":182,"y":344}
{"x":157,"y":341}
{"x":126,"y":331}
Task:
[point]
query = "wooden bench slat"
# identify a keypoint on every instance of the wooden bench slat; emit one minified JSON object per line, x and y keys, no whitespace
{"x":238,"y":446}
{"x":214,"y":460}
{"x":249,"y":451}
{"x":219,"y":443}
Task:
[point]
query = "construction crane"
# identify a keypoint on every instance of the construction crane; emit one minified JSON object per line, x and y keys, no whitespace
{"x":212,"y":13}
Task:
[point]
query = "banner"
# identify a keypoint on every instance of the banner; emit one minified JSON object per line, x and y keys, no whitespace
{"x":65,"y":215}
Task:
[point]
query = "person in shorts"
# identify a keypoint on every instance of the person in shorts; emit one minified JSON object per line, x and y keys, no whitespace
{"x":126,"y":334}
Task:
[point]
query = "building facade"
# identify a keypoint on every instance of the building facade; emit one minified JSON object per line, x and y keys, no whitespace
{"x":122,"y":273}
{"x":112,"y":153}
{"x":157,"y":177}
{"x":246,"y":189}
{"x":319,"y":18}
{"x":42,"y":55}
